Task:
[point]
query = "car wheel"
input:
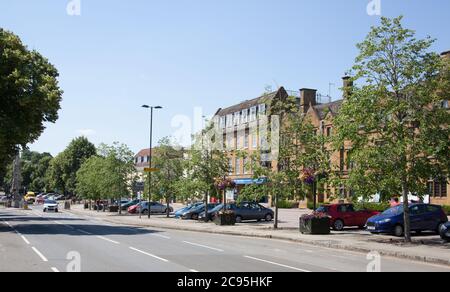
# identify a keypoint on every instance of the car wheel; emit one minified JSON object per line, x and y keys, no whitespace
{"x":145,"y":212}
{"x":45,"y":210}
{"x":338,"y":225}
{"x":165,"y":211}
{"x":238,"y":219}
{"x":56,"y":211}
{"x":398,"y":231}
{"x":438,"y":230}
{"x":268,"y":217}
{"x":194,"y":216}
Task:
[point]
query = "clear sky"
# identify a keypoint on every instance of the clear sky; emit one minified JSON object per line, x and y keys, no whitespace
{"x":118,"y":55}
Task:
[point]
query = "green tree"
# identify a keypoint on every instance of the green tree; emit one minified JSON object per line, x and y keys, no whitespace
{"x":394,"y":117}
{"x":63,"y":169}
{"x":169,"y":161}
{"x":108,"y":175}
{"x":34,"y":169}
{"x":204,"y":165}
{"x":29,"y":96}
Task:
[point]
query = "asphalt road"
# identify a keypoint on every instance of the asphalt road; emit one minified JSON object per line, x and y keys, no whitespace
{"x":43,"y":242}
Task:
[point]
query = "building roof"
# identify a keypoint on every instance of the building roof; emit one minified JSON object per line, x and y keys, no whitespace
{"x":251,"y":103}
{"x":323,"y":109}
{"x":144,"y":152}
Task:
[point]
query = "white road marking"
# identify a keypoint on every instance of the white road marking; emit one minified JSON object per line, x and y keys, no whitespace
{"x":277,"y":264}
{"x":161,"y":236}
{"x":204,"y":246}
{"x":24,"y":239}
{"x":85,"y":232}
{"x":149,"y":254}
{"x":107,"y":239}
{"x":193,"y":271}
{"x":55,"y":270}
{"x":39,"y":254}
{"x":7,"y":223}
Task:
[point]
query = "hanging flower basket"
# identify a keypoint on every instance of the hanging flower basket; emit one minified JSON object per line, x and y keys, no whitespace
{"x":308,"y":176}
{"x":224,"y":184}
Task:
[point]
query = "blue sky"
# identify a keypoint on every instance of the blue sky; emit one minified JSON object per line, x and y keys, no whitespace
{"x":118,"y":55}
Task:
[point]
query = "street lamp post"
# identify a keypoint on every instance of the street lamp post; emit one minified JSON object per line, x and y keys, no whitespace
{"x":150,"y":156}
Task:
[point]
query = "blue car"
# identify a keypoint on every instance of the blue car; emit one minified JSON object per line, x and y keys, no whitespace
{"x":445,"y":231}
{"x":424,"y":217}
{"x":179,"y":213}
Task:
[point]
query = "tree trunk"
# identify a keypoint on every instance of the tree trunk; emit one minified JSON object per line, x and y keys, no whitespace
{"x":168,"y":207}
{"x":406,"y":219}
{"x":16,"y":181}
{"x":275,"y":226}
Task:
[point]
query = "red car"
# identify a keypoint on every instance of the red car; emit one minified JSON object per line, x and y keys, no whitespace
{"x":343,"y":215}
{"x":133,"y":209}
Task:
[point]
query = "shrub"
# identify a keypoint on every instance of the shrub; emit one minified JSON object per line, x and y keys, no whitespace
{"x":380,"y":207}
{"x":446,"y":209}
{"x":287,"y":204}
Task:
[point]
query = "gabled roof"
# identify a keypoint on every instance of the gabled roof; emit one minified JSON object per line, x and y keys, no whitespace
{"x":323,"y":109}
{"x":281,"y":92}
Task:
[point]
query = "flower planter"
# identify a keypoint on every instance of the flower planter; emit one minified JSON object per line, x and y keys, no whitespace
{"x":315,"y":225}
{"x":113,"y":209}
{"x":225,"y":219}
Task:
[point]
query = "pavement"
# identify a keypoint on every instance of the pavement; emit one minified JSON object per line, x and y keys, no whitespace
{"x":31,"y":240}
{"x":425,"y":248}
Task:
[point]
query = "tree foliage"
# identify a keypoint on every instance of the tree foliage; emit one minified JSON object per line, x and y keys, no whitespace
{"x":29,"y":96}
{"x":393,"y":116}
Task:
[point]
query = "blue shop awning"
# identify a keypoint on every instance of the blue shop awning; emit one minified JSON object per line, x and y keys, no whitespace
{"x":249,"y":181}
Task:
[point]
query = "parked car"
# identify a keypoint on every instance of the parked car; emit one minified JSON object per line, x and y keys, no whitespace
{"x":155,"y":208}
{"x":244,"y":211}
{"x":423,"y":218}
{"x":133,"y":209}
{"x":445,"y":231}
{"x":129,"y":204}
{"x":180,"y":212}
{"x":3,"y":199}
{"x":30,"y":197}
{"x":193,"y":213}
{"x":50,"y":206}
{"x":345,"y":215}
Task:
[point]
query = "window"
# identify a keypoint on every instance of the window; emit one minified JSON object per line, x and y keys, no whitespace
{"x":438,"y":188}
{"x":246,"y":166}
{"x":222,"y":122}
{"x":262,"y":109}
{"x":239,"y":141}
{"x":246,"y":142}
{"x":230,"y":166}
{"x":342,"y":159}
{"x":253,"y":114}
{"x":255,"y":141}
{"x":230,"y":139}
{"x":244,"y":116}
{"x":238,"y":166}
{"x":445,"y":104}
{"x":329,"y":131}
{"x":229,"y":121}
{"x":236,"y":118}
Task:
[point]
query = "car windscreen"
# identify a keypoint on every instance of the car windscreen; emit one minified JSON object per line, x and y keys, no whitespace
{"x":393,"y":211}
{"x":322,"y":209}
{"x":217,"y":208}
{"x":50,"y":202}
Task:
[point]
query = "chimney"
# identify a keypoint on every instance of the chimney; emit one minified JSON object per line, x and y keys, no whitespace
{"x":347,"y":86}
{"x":307,"y":98}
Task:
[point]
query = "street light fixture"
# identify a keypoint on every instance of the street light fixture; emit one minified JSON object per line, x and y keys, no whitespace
{"x":150,"y":157}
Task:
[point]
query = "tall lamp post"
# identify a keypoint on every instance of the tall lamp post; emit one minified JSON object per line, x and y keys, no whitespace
{"x":150,"y":157}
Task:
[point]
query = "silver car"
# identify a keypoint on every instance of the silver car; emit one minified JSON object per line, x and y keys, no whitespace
{"x":50,"y":206}
{"x":155,"y":207}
